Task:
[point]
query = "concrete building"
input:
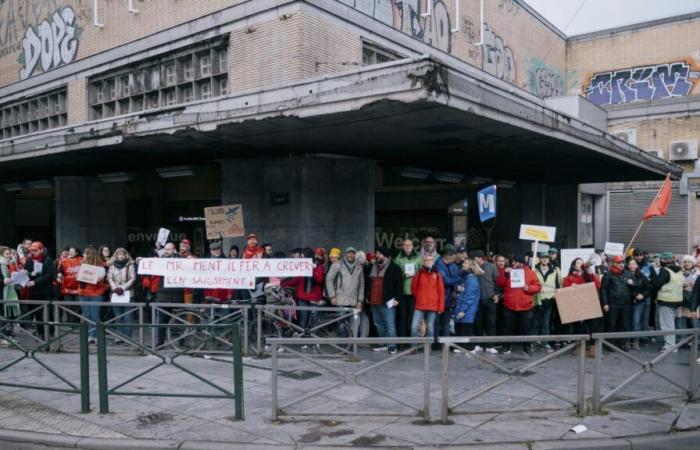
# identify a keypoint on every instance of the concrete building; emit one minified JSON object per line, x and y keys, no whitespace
{"x":333,"y":122}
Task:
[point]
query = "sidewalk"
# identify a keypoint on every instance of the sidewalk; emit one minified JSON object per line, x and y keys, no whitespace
{"x":184,"y":421}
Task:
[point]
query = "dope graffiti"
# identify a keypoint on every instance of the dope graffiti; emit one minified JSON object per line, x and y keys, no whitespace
{"x":54,"y":44}
{"x":498,"y":58}
{"x":641,"y":83}
{"x":406,"y":15}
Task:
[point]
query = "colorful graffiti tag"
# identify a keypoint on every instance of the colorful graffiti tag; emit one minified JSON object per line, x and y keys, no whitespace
{"x":407,"y":16}
{"x":657,"y":82}
{"x":544,"y":80}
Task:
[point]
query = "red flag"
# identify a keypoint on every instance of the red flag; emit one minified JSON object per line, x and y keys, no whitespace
{"x":660,"y":204}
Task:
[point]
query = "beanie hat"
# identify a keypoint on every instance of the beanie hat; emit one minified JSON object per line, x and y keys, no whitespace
{"x":384,"y":251}
{"x":335,"y":252}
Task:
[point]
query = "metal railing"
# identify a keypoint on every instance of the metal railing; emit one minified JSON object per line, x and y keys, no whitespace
{"x":171,"y":360}
{"x":518,"y":373}
{"x":32,"y":355}
{"x":647,"y":367}
{"x":350,"y":378}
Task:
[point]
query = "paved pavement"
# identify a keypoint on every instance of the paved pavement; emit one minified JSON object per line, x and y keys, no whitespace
{"x":494,"y":418}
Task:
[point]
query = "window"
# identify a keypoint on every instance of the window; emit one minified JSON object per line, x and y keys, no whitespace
{"x":373,"y":54}
{"x":33,"y":114}
{"x":198,"y":72}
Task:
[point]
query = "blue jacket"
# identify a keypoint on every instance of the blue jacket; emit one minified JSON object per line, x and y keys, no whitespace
{"x":468,"y":300}
{"x":451,"y":277}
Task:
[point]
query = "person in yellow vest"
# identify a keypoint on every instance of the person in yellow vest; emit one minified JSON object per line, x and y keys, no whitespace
{"x":669,"y":285}
{"x":551,"y":280}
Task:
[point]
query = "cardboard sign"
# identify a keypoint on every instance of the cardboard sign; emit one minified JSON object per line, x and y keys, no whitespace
{"x":537,"y":233}
{"x":517,"y":278}
{"x":568,"y":255}
{"x":614,"y":249}
{"x":224,"y":221}
{"x":578,"y":302}
{"x":163,"y":235}
{"x":409,"y":269}
{"x":90,"y":274}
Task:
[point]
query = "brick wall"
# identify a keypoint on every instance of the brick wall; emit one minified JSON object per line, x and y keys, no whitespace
{"x":657,"y":134}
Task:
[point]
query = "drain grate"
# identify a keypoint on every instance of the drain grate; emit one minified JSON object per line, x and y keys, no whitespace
{"x":300,"y":374}
{"x":146,"y":420}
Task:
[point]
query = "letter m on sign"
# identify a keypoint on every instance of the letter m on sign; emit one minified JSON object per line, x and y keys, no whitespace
{"x":486,"y":200}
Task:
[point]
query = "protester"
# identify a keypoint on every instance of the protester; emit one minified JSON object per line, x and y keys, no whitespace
{"x":550,"y":279}
{"x":334,"y":256}
{"x":68,"y":273}
{"x":217,"y":295}
{"x":429,"y":292}
{"x":384,"y":287}
{"x":40,"y":268}
{"x":452,"y":282}
{"x":428,"y":248}
{"x":166,"y":295}
{"x":121,"y":276}
{"x":234,"y":252}
{"x":10,"y":296}
{"x":690,"y":274}
{"x":308,"y":291}
{"x":252,"y":250}
{"x":267,"y":250}
{"x":24,"y":250}
{"x":487,"y":312}
{"x":669,"y":284}
{"x":345,"y":281}
{"x":616,"y":290}
{"x":518,"y":302}
{"x":466,"y":307}
{"x":641,"y":299}
{"x":410,"y":263}
{"x":553,"y":254}
{"x":92,"y":293}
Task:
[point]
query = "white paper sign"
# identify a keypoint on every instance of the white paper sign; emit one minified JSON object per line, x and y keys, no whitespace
{"x":613,"y":249}
{"x":124,"y":298}
{"x":38,"y":267}
{"x":19,"y":278}
{"x":392,"y":303}
{"x":568,"y":255}
{"x":517,"y":278}
{"x":90,"y":274}
{"x":163,"y":235}
{"x":537,"y":233}
{"x":409,"y":269}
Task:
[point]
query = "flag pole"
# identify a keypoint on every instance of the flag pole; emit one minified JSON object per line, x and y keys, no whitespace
{"x":634,"y":236}
{"x":658,"y":194}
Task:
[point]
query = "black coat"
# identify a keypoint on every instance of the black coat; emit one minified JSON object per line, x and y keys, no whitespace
{"x":614,"y":290}
{"x":43,"y":282}
{"x":642,"y":286}
{"x":392,"y":286}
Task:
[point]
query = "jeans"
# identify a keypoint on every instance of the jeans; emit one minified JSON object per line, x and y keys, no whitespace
{"x":404,"y":315}
{"x":543,"y":317}
{"x":667,"y":322}
{"x":304,"y":315}
{"x":520,"y":321}
{"x":124,"y":320}
{"x":385,"y":321}
{"x":92,"y":313}
{"x":429,"y":317}
{"x":444,"y":322}
{"x":640,"y":316}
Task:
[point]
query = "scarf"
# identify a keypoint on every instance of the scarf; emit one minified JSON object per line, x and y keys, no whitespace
{"x":379,"y":271}
{"x":615,"y":270}
{"x":350,"y":266}
{"x":120,"y":264}
{"x":38,"y":258}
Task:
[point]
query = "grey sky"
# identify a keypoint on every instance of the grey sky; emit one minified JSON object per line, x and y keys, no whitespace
{"x":597,"y":15}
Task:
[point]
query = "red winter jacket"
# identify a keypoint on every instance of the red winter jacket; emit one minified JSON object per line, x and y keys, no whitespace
{"x":516,"y":299}
{"x":429,"y":291}
{"x":315,"y":292}
{"x":581,"y":278}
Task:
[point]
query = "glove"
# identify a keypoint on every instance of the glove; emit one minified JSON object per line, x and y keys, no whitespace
{"x":119,"y":291}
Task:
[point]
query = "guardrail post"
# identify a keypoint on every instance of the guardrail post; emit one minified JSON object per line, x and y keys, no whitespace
{"x":692,"y":387}
{"x":273,"y":381}
{"x":141,"y":325}
{"x":444,"y":409}
{"x":57,"y":318}
{"x":581,"y":397}
{"x":45,"y":310}
{"x":259,"y":319}
{"x":245,"y":331}
{"x":426,"y":382}
{"x":238,"y":372}
{"x":153,"y":328}
{"x":84,"y":368}
{"x":596,"y":375}
{"x":102,"y":368}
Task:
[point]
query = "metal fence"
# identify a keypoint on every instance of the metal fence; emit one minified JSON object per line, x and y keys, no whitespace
{"x":353,"y":378}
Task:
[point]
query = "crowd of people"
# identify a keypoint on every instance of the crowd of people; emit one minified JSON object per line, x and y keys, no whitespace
{"x":411,"y":292}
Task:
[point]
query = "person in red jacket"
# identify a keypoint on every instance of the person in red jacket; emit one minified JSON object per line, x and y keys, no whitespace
{"x":582,"y":272}
{"x":518,"y":303}
{"x":216,"y":295}
{"x":308,"y":291}
{"x":429,"y":292}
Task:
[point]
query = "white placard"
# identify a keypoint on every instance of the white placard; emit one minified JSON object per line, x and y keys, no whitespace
{"x":124,"y":298}
{"x":517,"y":278}
{"x":90,"y":274}
{"x":409,"y":269}
{"x":163,"y":235}
{"x":537,"y":233}
{"x":38,"y":267}
{"x":20,"y":278}
{"x":392,"y":303}
{"x":614,"y":249}
{"x":568,"y":255}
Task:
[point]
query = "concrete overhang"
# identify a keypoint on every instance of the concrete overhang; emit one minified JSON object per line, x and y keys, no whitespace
{"x":418,"y":112}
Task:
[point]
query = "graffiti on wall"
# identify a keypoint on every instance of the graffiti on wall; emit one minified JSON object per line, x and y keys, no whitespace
{"x":498,"y":58}
{"x":407,"y":16}
{"x":641,"y":83}
{"x":544,"y":80}
{"x":509,"y":6}
{"x":53,"y":43}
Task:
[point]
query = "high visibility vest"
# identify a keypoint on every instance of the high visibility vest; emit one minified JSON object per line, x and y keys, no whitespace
{"x":672,"y":292}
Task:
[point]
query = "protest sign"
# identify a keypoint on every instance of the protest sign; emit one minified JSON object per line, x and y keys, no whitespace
{"x":409,"y":269}
{"x":124,"y":298}
{"x":224,"y":221}
{"x":90,"y":274}
{"x":38,"y":267}
{"x":578,"y":302}
{"x":222,"y":273}
{"x":537,"y":233}
{"x":163,"y":235}
{"x":517,"y":278}
{"x":568,"y":255}
{"x":20,"y":278}
{"x":613,"y":249}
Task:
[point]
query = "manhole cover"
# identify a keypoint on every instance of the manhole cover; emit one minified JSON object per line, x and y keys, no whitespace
{"x":300,"y":374}
{"x":650,"y":407}
{"x":154,"y":418}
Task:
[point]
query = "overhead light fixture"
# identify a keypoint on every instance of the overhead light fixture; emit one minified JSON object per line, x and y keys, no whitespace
{"x":116,"y":177}
{"x":12,"y":187}
{"x":449,"y":177}
{"x":39,"y":184}
{"x":480,"y":180}
{"x":175,"y":171}
{"x":414,"y":172}
{"x":506,"y":184}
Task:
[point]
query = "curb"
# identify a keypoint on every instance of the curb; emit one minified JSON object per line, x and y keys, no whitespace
{"x":32,"y":440}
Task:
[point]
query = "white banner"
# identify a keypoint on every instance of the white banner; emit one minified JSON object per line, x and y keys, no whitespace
{"x":614,"y":249}
{"x":222,"y":273}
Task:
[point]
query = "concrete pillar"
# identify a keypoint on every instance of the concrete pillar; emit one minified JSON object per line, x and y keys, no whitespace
{"x":8,"y":228}
{"x":331,"y":200}
{"x":89,"y":211}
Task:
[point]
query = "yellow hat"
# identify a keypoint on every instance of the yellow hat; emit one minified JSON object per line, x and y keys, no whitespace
{"x":334,"y":252}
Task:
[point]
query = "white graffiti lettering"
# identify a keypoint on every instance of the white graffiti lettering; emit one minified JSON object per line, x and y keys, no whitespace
{"x":498,"y":58}
{"x":55,"y":44}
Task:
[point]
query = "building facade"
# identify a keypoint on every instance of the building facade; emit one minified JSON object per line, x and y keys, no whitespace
{"x":333,"y":122}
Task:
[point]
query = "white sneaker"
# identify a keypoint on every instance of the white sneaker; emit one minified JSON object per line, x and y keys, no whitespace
{"x":548,"y":348}
{"x":506,"y":352}
{"x":476,"y":350}
{"x":491,"y":350}
{"x":457,"y":350}
{"x":697,"y":361}
{"x":6,"y":342}
{"x":380,"y":348}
